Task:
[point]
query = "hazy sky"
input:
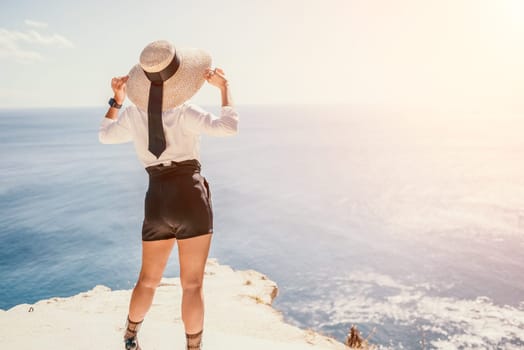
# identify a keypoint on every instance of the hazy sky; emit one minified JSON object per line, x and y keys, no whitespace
{"x":441,"y":52}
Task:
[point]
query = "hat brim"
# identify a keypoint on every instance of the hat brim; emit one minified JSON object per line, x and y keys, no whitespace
{"x":183,"y":85}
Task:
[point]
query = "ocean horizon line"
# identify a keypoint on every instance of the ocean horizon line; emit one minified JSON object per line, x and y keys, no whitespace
{"x":462,"y":110}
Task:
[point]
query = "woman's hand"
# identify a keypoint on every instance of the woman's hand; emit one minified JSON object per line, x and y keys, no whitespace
{"x":216,"y":77}
{"x":118,"y":84}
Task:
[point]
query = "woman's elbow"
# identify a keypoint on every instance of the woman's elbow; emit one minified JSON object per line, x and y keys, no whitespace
{"x":102,"y":138}
{"x":224,"y":128}
{"x":233,"y":128}
{"x":233,"y":125}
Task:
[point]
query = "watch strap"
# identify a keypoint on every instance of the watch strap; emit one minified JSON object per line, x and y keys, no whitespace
{"x":112,"y":102}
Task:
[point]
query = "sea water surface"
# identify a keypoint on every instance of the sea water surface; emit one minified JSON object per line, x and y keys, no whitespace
{"x":408,"y":224}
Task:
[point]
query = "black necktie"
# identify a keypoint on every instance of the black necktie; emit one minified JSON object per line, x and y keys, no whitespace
{"x":157,"y":139}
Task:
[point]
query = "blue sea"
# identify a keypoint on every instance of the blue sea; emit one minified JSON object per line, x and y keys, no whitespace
{"x":407,"y":223}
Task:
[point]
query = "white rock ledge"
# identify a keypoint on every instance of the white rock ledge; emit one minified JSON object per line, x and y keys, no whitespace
{"x":238,"y":316}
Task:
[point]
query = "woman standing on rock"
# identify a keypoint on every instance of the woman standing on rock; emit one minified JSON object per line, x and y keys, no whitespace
{"x":166,"y":131}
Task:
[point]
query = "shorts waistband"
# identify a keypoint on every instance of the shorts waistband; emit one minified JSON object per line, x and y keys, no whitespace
{"x":183,"y":167}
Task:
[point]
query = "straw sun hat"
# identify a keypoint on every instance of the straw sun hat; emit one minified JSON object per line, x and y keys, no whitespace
{"x":181,"y":70}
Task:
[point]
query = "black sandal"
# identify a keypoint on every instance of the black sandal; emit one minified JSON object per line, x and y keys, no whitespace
{"x":132,"y":344}
{"x":130,"y":338}
{"x":194,"y":341}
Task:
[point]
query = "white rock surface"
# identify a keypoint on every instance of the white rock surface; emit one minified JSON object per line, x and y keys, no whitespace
{"x":238,"y":316}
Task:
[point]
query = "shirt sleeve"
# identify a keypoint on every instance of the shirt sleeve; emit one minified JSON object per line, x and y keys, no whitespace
{"x":199,"y":121}
{"x":116,"y":131}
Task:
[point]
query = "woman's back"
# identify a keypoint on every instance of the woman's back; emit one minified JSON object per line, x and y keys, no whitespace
{"x":183,"y":126}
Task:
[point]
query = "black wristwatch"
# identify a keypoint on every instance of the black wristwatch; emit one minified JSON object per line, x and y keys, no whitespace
{"x":112,"y":103}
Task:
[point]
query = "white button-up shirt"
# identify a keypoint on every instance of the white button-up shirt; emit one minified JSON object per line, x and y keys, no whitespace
{"x":183,"y":126}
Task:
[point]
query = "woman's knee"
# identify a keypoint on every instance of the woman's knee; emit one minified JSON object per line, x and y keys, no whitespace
{"x":149,"y":281}
{"x":191,"y":285}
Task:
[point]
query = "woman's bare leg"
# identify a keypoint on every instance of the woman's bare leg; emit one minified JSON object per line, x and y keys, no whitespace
{"x":155,"y":255}
{"x":193,"y":254}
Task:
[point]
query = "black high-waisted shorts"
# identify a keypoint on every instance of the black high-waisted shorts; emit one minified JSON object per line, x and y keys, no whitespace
{"x":177,"y":202}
